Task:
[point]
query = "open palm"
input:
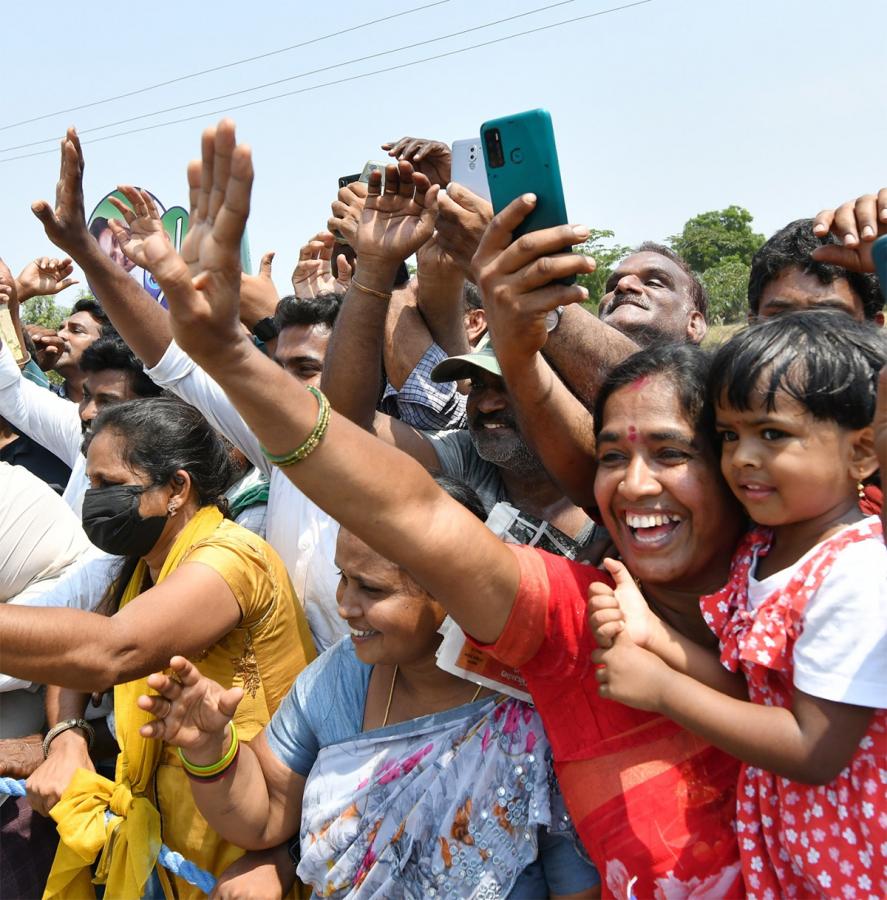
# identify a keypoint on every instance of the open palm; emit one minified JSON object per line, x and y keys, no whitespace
{"x":143,"y":238}
{"x":191,"y":710}
{"x":397,"y":222}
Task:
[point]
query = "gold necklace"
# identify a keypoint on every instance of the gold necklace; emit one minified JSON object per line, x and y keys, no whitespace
{"x":480,"y":687}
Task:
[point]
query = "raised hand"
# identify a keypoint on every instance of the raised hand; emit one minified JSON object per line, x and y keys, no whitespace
{"x":432,"y":158}
{"x":44,"y":277}
{"x":346,"y":212}
{"x":623,"y":608}
{"x":191,"y":711}
{"x":396,"y":222}
{"x":65,"y":225}
{"x":855,"y":224}
{"x":143,"y":238}
{"x":202,"y":285}
{"x":519,"y":279}
{"x":313,"y":274}
{"x":462,"y":219}
{"x":258,"y":296}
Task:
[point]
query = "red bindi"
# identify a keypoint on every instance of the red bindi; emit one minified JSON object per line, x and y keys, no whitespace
{"x":632,"y":433}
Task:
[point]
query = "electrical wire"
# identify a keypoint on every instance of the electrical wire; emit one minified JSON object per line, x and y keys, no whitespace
{"x":230,"y":65}
{"x":345,"y":80}
{"x":267,"y":84}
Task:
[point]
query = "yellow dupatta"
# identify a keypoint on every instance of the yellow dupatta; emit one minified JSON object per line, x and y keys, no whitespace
{"x":130,"y":840}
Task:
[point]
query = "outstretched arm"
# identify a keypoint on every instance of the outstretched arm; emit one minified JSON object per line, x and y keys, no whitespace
{"x":257,"y":803}
{"x":141,"y":321}
{"x":519,"y":285}
{"x":378,"y":493}
{"x":811,"y":742}
{"x":393,"y":224}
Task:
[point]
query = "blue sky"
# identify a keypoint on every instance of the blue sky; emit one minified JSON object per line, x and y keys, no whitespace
{"x":661,"y":111}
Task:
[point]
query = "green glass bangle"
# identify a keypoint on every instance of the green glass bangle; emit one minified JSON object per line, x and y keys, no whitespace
{"x":310,"y":443}
{"x":216,"y":767}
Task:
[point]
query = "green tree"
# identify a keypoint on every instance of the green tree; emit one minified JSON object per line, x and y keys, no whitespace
{"x":713,"y":237}
{"x":606,"y":254}
{"x":727,"y":287}
{"x":44,"y":311}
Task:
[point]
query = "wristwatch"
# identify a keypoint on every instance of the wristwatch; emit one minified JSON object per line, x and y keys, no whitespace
{"x":67,"y":725}
{"x":553,"y":318}
{"x":266,"y":329}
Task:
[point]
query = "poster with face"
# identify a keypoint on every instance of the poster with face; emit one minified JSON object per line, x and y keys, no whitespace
{"x":175,"y":224}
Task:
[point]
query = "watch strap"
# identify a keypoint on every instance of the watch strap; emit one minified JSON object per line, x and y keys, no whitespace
{"x":67,"y":725}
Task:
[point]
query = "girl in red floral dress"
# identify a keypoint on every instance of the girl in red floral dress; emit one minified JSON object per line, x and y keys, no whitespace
{"x":803,"y":617}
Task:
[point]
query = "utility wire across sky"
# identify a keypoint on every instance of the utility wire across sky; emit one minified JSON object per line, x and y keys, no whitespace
{"x":344,"y":80}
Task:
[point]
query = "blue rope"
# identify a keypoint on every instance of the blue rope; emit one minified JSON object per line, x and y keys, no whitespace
{"x":169,"y":859}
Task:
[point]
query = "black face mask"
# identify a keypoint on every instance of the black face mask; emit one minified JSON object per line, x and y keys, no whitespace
{"x":112,"y":522}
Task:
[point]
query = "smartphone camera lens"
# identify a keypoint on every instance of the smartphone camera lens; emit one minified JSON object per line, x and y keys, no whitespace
{"x":493,"y":141}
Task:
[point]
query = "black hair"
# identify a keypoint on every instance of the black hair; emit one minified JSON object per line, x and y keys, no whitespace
{"x":163,"y":435}
{"x":463,"y":493}
{"x":471,"y":297}
{"x":97,"y":226}
{"x":111,"y":352}
{"x":698,"y":294}
{"x":825,"y":360}
{"x":792,"y":248}
{"x":685,"y":365}
{"x":92,"y":306}
{"x":320,"y":310}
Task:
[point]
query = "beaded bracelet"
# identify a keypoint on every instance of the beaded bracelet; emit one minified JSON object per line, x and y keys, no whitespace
{"x":313,"y":439}
{"x":216,"y":769}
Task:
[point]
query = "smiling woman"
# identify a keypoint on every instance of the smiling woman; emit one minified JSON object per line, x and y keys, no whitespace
{"x":399,"y":777}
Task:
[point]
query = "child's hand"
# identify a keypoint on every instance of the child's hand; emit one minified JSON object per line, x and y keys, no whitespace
{"x":629,"y":674}
{"x":610,"y":611}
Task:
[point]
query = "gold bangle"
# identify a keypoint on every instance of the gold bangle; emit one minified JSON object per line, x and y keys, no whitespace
{"x":311,"y":442}
{"x":367,"y":290}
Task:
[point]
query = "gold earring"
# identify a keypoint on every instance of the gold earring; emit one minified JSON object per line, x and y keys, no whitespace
{"x":171,"y":510}
{"x":860,"y":490}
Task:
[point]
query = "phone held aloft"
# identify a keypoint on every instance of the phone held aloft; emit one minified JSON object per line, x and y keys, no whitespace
{"x":521,"y":157}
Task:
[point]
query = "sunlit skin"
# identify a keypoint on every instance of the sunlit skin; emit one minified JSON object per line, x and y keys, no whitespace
{"x":793,"y":290}
{"x":652,"y":463}
{"x":793,"y":473}
{"x":301,"y":350}
{"x":104,"y":388}
{"x":647,"y":292}
{"x":78,"y":331}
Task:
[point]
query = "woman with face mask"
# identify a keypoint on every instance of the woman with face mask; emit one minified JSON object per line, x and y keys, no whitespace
{"x":192,"y":583}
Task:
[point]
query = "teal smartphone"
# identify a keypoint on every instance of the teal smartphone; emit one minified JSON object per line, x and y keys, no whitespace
{"x":521,"y":157}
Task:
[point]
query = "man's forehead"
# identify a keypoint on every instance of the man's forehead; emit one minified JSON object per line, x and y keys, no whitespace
{"x":647,"y":260}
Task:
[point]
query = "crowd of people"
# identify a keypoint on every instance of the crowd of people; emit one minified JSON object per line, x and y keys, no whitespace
{"x":241,"y":535}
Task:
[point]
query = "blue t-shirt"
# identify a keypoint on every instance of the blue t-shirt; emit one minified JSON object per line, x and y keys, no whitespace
{"x":326,"y":705}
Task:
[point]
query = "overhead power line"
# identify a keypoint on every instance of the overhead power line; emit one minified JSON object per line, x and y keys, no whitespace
{"x":267,"y":84}
{"x":229,"y":65}
{"x":345,"y":80}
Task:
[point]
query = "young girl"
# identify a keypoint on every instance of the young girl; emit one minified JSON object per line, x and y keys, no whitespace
{"x":803,"y":616}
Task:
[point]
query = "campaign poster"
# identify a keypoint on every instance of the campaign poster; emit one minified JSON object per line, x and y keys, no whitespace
{"x":175,"y":223}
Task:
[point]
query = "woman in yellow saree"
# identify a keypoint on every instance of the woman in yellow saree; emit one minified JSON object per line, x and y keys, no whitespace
{"x":192,"y":582}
